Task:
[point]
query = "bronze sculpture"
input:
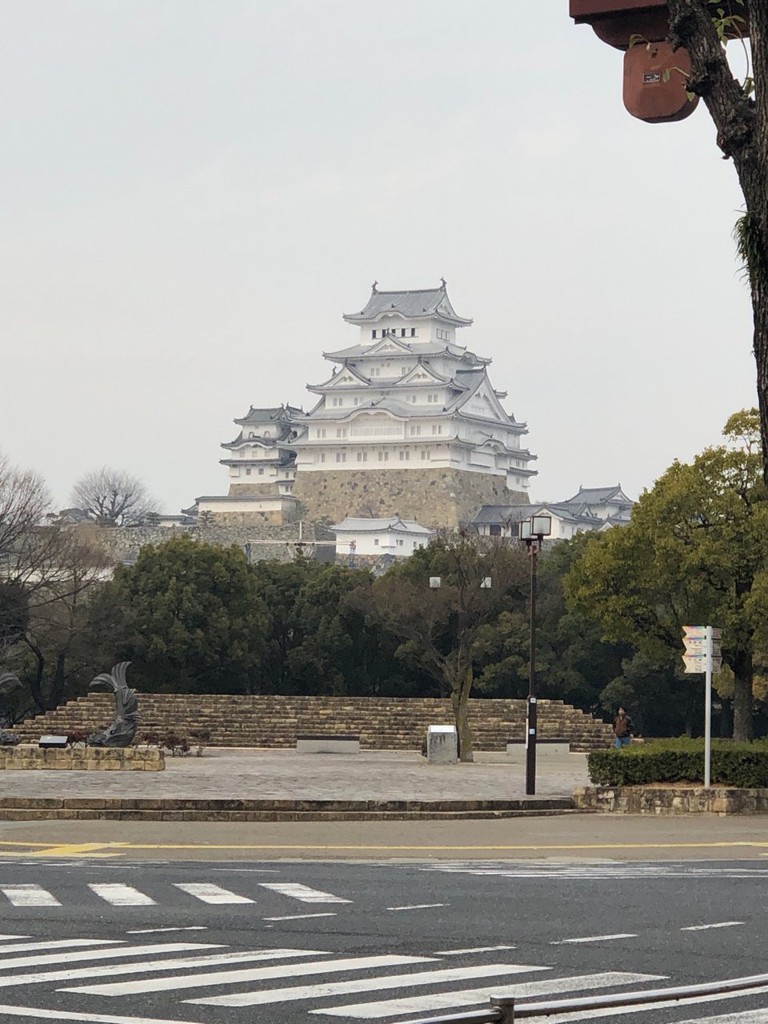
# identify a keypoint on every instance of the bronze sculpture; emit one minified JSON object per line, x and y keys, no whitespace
{"x":123,"y":729}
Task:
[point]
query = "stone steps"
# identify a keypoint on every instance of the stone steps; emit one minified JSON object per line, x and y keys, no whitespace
{"x":383,"y":723}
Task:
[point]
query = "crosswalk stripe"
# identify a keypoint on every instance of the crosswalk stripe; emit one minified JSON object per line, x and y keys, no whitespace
{"x":470,"y":997}
{"x":29,"y":896}
{"x":759,"y":1016}
{"x":121,"y":895}
{"x":284,"y":995}
{"x":87,"y":1018}
{"x":155,"y":966}
{"x":30,"y":947}
{"x":302,"y":892}
{"x":250,"y":975}
{"x":209,"y":893}
{"x":94,"y":954}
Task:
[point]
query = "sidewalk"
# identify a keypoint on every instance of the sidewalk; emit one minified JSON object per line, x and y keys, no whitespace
{"x":269,"y":774}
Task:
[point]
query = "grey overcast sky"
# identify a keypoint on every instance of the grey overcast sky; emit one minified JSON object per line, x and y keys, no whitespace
{"x":194,"y":191}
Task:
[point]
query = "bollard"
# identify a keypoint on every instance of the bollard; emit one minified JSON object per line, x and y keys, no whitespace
{"x":506,"y":1004}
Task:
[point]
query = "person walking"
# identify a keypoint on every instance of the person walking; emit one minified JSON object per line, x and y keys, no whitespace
{"x":622,"y":729}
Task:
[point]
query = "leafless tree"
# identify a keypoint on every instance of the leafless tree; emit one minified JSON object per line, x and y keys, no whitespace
{"x":112,"y":497}
{"x":24,"y":500}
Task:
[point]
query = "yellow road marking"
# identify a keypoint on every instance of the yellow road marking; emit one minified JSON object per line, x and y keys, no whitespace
{"x":69,"y":849}
{"x":117,"y":848}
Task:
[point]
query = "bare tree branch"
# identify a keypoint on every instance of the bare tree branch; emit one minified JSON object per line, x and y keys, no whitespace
{"x":112,"y":497}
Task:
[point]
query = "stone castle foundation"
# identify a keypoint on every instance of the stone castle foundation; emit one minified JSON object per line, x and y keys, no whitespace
{"x":438,"y":498}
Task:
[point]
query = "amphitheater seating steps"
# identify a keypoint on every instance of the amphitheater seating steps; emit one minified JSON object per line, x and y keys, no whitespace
{"x":383,"y":723}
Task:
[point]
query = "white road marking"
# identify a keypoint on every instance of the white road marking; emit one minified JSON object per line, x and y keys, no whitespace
{"x":155,"y":966}
{"x":470,"y":997}
{"x":759,"y":1016}
{"x":152,"y":931}
{"x":250,"y":975}
{"x":302,"y":917}
{"x":302,"y":892}
{"x":595,"y":938}
{"x":476,"y":949}
{"x":419,"y":906}
{"x":96,"y":1018}
{"x":30,"y":947}
{"x":4,"y":937}
{"x":29,"y":896}
{"x":284,"y":995}
{"x":209,"y":893}
{"x":14,"y":963}
{"x":704,"y":927}
{"x":120,"y":895}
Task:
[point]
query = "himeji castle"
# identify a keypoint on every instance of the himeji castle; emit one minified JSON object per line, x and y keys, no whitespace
{"x":407,"y":424}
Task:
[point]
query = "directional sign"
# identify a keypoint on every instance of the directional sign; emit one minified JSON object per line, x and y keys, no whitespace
{"x":698,"y":663}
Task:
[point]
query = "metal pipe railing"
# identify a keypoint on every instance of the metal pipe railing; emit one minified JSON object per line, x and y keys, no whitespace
{"x":505,"y":1010}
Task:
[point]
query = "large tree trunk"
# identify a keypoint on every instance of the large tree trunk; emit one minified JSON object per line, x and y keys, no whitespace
{"x":742,"y":135}
{"x":742,"y":696}
{"x":460,"y":702}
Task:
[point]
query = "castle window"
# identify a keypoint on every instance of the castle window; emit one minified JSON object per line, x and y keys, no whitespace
{"x":441,"y":334}
{"x":494,"y":530}
{"x":437,"y":428}
{"x":415,"y":430}
{"x":413,"y":332}
{"x":322,"y":456}
{"x":341,"y":456}
{"x":338,"y":401}
{"x":261,"y":471}
{"x":248,"y":471}
{"x":375,"y":540}
{"x":362,"y":456}
{"x":404,"y":455}
{"x":402,"y":332}
{"x":373,"y":334}
{"x":341,"y":432}
{"x":399,"y":543}
{"x":425,"y":453}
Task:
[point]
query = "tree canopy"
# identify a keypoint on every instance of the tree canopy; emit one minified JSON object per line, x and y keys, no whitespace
{"x":692,"y":554}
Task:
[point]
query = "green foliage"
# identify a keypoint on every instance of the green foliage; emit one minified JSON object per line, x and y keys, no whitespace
{"x":695,"y":550}
{"x":198,"y":624}
{"x":681,"y":760}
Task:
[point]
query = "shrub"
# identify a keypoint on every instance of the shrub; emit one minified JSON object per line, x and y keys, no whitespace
{"x":201,"y":738}
{"x":682,"y":760}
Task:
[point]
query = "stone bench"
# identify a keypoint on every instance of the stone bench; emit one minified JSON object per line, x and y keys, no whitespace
{"x":331,"y":743}
{"x":547,"y":746}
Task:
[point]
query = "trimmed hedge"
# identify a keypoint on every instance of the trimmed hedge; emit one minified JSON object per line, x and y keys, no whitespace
{"x":744,"y":765}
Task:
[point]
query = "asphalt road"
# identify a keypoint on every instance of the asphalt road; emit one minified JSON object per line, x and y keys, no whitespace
{"x":286,"y":942}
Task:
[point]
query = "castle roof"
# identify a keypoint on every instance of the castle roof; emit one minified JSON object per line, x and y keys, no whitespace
{"x":412,"y":305}
{"x":600,"y":495}
{"x":353,"y":524}
{"x":276,"y":414}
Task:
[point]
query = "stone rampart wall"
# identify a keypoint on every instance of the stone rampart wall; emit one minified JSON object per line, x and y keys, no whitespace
{"x":267,"y":542}
{"x":438,"y":498}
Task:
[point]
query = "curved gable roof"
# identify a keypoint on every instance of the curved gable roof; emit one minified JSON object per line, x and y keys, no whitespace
{"x":413,"y":305}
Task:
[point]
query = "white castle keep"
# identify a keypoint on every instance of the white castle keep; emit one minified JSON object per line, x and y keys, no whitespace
{"x":408,"y":423}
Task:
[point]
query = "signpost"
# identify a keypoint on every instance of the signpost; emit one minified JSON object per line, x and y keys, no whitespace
{"x":703,"y":654}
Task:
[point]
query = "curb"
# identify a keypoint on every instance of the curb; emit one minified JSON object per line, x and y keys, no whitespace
{"x":124,"y":809}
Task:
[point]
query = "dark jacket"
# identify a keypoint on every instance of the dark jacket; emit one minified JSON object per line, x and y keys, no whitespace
{"x":622,"y":725}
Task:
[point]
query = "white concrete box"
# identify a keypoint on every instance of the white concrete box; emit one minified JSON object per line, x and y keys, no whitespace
{"x":442,"y":744}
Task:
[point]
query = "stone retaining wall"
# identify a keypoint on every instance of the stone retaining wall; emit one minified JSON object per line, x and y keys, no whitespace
{"x":671,"y":800}
{"x":28,"y":756}
{"x":438,"y":498}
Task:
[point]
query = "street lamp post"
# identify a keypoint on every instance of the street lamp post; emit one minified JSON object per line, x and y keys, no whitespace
{"x":533,"y":531}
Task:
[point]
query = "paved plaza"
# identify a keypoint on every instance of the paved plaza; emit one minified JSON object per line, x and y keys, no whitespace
{"x":269,"y":774}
